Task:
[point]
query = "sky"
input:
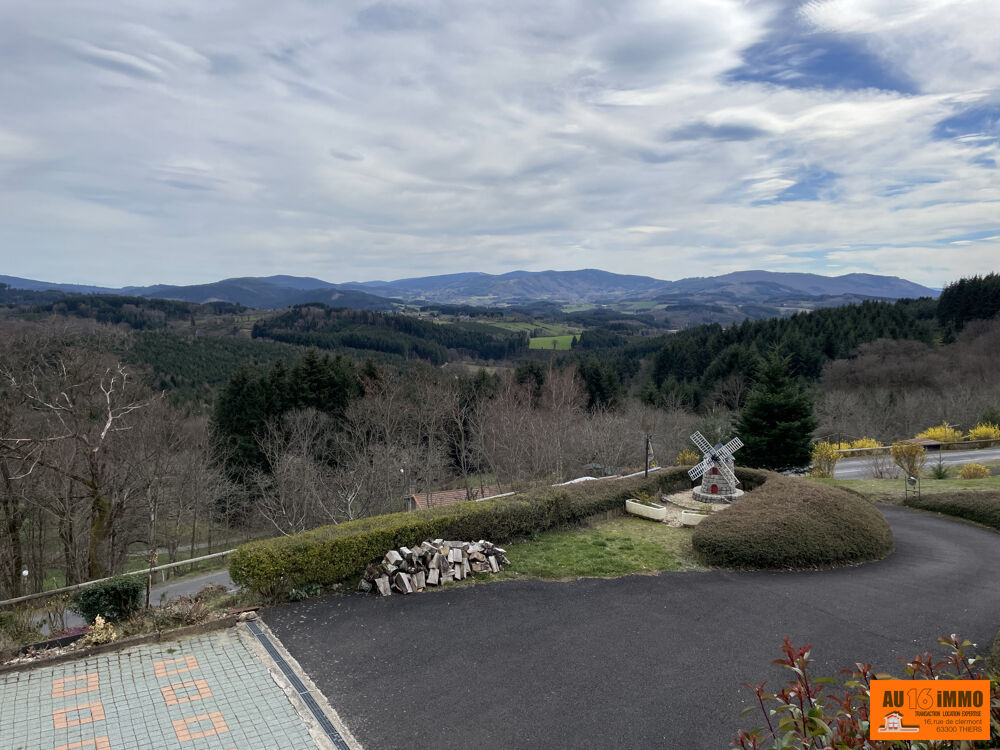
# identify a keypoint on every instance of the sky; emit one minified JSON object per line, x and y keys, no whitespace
{"x":175,"y":141}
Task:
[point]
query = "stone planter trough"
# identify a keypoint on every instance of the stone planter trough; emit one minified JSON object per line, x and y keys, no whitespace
{"x":691,"y":517}
{"x":654,"y":512}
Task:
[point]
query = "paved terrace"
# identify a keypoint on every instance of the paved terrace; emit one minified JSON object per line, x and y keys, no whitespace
{"x":215,"y":691}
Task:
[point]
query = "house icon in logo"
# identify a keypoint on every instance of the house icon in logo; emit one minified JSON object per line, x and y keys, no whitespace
{"x":894,"y":723}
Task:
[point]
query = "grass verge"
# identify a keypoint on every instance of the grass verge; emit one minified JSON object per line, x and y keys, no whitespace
{"x":891,"y":490}
{"x":606,"y":548}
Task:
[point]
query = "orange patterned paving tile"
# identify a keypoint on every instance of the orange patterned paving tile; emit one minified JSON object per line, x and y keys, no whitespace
{"x":183,"y":730}
{"x":100,"y":743}
{"x":60,"y":721}
{"x":160,"y":667}
{"x":60,"y":689}
{"x":170,"y":692}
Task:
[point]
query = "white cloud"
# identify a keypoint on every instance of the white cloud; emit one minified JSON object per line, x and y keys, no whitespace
{"x":179,"y":142}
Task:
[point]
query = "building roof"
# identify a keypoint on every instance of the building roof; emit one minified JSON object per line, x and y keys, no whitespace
{"x":450,"y":497}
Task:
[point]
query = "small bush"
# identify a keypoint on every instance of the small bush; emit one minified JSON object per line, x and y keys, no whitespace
{"x":940,"y":471}
{"x":910,"y":457}
{"x":100,"y":632}
{"x":865,"y":442}
{"x":184,"y":610}
{"x":17,"y":627}
{"x":114,"y":599}
{"x":824,"y":459}
{"x":984,"y":431}
{"x":981,"y":507}
{"x":942,"y":433}
{"x":688,"y":457}
{"x":973,"y":471}
{"x":332,"y":554}
{"x":791,"y":523}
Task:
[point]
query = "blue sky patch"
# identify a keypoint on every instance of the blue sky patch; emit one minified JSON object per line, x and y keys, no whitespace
{"x":812,"y":183}
{"x":793,"y":55}
{"x":976,"y":125}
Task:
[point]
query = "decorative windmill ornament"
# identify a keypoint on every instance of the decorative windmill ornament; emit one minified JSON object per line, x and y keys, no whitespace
{"x":718,"y":482}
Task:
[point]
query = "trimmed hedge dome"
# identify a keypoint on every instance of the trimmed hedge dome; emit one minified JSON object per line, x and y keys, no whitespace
{"x":793,"y":523}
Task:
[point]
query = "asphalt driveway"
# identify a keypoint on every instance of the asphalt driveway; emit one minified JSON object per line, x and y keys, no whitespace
{"x":635,"y":662}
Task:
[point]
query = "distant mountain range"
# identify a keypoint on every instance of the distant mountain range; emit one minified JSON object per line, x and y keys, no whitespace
{"x":588,"y":286}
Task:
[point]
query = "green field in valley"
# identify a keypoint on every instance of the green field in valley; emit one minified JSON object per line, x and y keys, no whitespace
{"x":559,"y":343}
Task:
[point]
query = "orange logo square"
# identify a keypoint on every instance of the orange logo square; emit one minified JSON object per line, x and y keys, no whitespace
{"x":930,"y":710}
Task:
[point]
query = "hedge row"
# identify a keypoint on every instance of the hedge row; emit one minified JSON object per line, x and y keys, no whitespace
{"x":332,"y":554}
{"x":981,"y":507}
{"x":793,"y":523}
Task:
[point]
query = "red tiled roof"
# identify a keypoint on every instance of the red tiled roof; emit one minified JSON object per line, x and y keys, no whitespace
{"x":450,"y":497}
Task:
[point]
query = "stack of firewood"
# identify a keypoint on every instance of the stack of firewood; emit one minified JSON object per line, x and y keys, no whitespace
{"x":432,"y":563}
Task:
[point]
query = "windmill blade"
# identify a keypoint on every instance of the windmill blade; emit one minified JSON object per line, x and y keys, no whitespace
{"x":703,"y":445}
{"x":728,"y":473}
{"x":700,"y":469}
{"x":732,"y":446}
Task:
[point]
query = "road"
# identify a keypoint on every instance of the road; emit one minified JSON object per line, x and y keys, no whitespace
{"x":858,"y":468}
{"x":636,"y":662}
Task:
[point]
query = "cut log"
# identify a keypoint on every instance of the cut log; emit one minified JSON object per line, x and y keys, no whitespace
{"x":433,"y":577}
{"x":393,"y":558}
{"x":419,"y":580}
{"x":494,"y":565}
{"x":383,"y":585}
{"x":402,"y":583}
{"x":465,"y":568}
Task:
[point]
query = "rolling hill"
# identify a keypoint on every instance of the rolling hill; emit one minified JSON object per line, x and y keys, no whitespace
{"x":586,"y":286}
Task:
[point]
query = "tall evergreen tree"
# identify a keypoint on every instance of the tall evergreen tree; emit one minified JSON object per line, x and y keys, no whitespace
{"x":777,"y":422}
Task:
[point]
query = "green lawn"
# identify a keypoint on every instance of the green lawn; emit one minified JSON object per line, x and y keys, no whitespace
{"x":607,"y":548}
{"x":562,"y":343}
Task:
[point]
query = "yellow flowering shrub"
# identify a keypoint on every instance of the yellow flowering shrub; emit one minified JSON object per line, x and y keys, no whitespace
{"x":688,"y":457}
{"x":973,"y":471}
{"x":942,"y":433}
{"x":985,"y":431}
{"x":824,"y":459}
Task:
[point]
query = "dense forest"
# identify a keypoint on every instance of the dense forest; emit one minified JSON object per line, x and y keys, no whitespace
{"x":108,"y":420}
{"x":710,"y":361}
{"x":406,"y":336}
{"x":138,"y":313}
